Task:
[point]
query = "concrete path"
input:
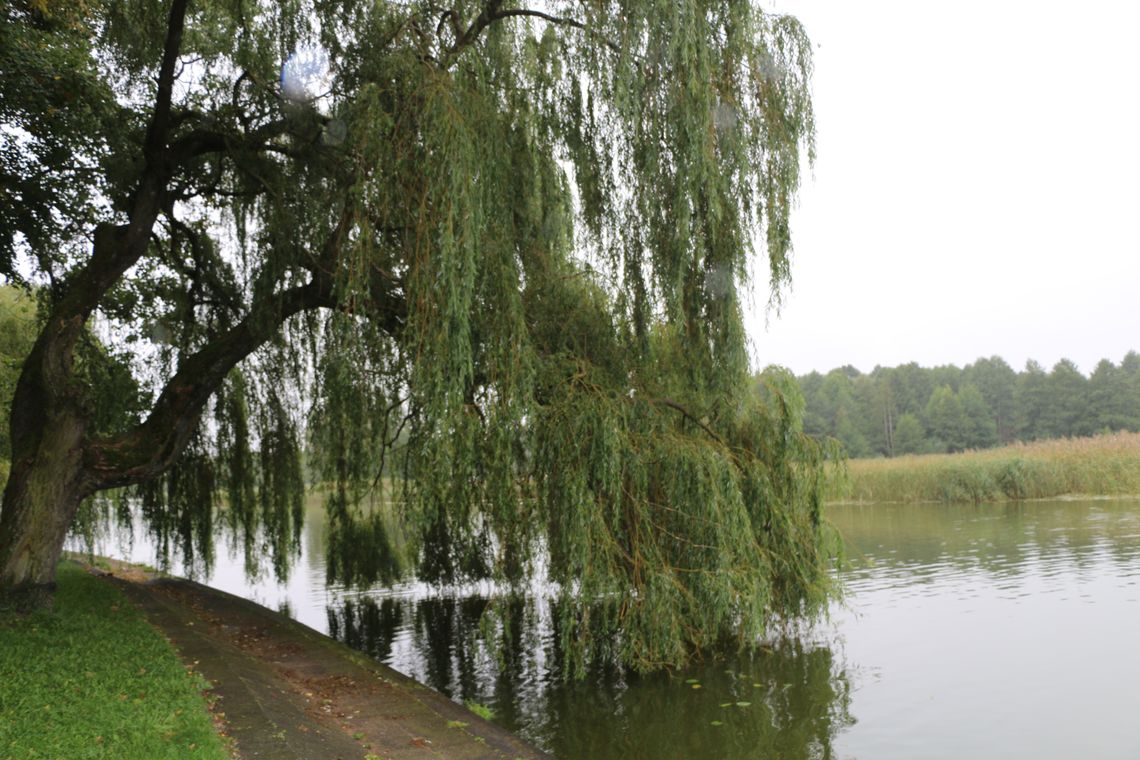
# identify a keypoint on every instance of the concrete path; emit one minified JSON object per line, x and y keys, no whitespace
{"x":286,"y":691}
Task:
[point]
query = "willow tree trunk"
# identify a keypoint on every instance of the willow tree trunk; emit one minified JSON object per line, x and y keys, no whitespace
{"x":46,"y":482}
{"x":56,"y":461}
{"x":49,"y":420}
{"x":40,"y":502}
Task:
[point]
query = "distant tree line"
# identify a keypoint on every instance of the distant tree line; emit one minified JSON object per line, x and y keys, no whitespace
{"x":914,"y":410}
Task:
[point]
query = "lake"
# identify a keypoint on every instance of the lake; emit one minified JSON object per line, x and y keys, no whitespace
{"x":990,"y":631}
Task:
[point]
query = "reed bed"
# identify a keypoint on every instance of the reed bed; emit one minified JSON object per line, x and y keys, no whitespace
{"x":1102,"y":465}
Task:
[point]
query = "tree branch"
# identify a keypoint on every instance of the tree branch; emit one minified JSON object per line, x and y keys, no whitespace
{"x":199,"y":142}
{"x":689,"y":416}
{"x":481,"y":22}
{"x":562,"y":21}
{"x":48,"y":374}
{"x":494,"y":12}
{"x":152,"y":446}
{"x":118,"y":247}
{"x":156,"y":132}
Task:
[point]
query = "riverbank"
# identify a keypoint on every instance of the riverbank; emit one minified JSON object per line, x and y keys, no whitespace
{"x":1104,"y":465}
{"x":282,"y":690}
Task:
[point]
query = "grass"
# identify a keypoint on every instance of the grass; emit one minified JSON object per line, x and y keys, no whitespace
{"x":482,"y":711}
{"x":92,"y":679}
{"x":1103,"y":465}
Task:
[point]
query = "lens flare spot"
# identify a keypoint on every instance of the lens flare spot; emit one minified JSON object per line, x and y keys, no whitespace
{"x":305,"y":75}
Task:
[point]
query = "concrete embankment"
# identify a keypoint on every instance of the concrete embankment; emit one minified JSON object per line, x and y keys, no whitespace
{"x":283,"y":690}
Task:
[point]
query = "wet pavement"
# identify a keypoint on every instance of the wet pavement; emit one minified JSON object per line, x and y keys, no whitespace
{"x":283,"y":690}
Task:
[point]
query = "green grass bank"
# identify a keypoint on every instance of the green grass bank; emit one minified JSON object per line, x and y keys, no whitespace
{"x":1103,"y":465}
{"x":92,"y":679}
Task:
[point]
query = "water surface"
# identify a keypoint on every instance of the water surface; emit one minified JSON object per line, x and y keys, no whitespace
{"x":992,"y":631}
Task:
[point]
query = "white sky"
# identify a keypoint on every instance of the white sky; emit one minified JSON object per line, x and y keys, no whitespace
{"x":977,"y":190}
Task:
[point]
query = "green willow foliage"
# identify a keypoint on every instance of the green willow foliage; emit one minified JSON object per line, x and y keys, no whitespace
{"x":535,"y":226}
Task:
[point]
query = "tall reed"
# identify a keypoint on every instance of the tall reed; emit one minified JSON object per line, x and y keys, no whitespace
{"x":1103,"y":465}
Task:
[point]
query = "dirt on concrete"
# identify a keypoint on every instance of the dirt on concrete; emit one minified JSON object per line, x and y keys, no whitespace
{"x":283,"y":690}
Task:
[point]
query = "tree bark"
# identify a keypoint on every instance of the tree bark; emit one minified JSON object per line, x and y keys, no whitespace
{"x":46,"y":483}
{"x":44,"y":489}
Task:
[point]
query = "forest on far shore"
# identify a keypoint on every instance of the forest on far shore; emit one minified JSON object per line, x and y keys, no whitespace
{"x":917,"y":410}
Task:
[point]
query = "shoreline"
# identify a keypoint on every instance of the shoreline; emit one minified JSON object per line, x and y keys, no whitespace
{"x":283,"y":689}
{"x":1036,"y":499}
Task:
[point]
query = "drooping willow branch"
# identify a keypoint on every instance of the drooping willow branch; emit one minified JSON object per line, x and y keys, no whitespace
{"x":689,"y":416}
{"x":494,"y":12}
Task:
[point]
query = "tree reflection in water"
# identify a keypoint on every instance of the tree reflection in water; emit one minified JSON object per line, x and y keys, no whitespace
{"x":788,"y":699}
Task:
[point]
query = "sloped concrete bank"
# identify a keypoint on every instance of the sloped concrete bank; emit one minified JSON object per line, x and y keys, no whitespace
{"x":283,"y":690}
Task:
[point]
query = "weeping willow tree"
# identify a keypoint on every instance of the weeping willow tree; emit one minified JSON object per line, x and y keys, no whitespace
{"x":500,"y":250}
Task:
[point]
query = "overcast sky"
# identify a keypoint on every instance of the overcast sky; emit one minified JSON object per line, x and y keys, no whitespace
{"x":977,"y":190}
